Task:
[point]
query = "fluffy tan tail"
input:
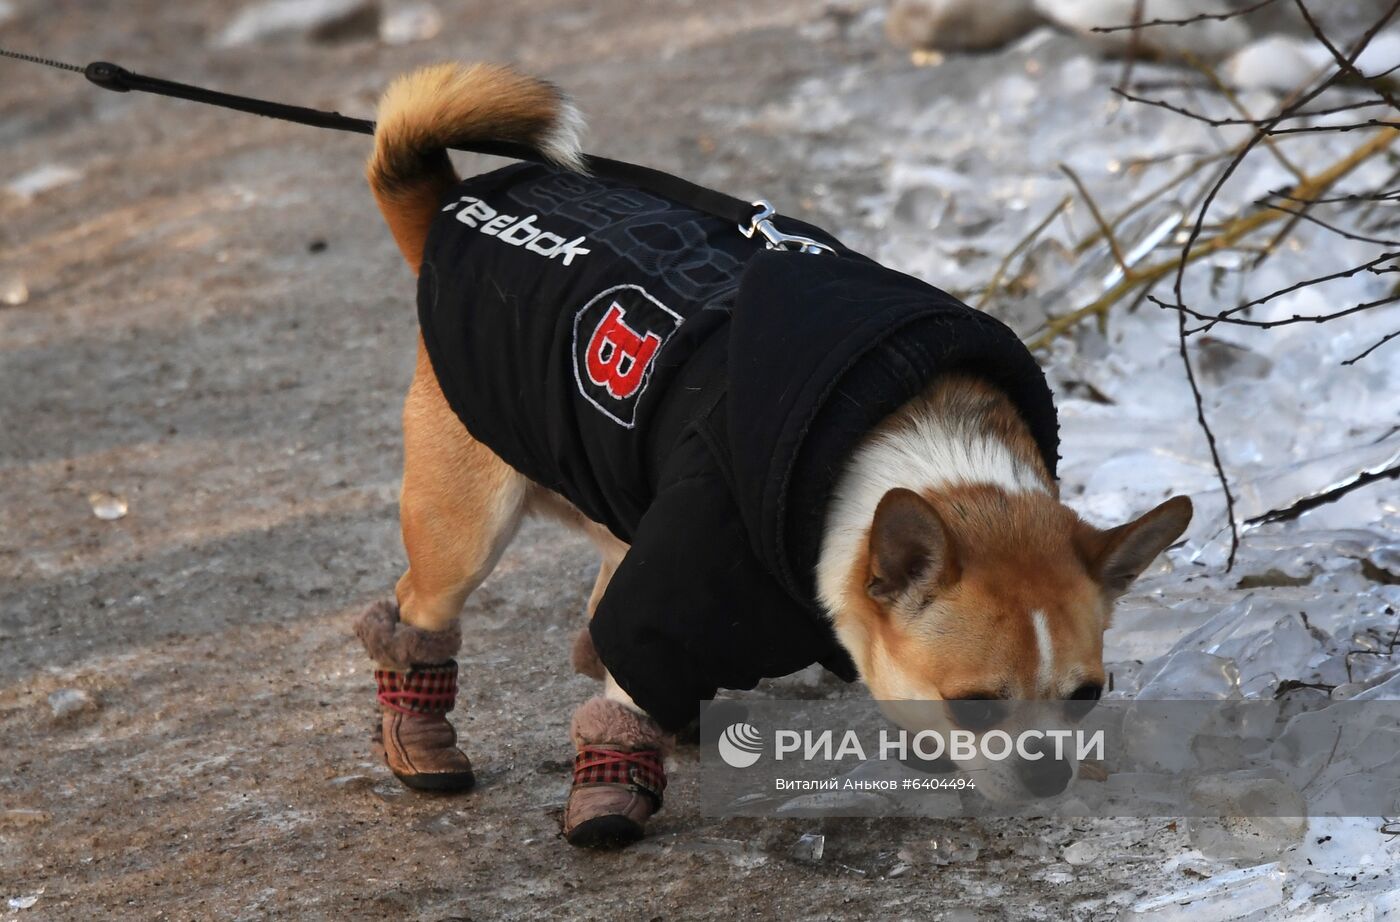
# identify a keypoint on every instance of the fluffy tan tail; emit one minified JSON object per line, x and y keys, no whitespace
{"x":425,"y":112}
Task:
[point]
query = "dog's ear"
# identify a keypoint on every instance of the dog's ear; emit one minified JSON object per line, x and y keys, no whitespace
{"x":909,"y":546}
{"x":1118,"y":556}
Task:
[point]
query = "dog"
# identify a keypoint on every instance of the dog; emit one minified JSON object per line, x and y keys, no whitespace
{"x":782,"y":457}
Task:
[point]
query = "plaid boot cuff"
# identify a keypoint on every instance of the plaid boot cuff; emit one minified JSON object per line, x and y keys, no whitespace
{"x":420,"y":690}
{"x":641,"y":770}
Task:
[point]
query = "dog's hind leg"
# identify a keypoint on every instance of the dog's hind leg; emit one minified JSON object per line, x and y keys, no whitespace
{"x":459,"y":508}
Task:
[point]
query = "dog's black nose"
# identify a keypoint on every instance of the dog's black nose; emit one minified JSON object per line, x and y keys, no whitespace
{"x":1046,"y":776}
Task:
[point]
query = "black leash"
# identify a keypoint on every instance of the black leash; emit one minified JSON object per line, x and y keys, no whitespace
{"x":750,"y":216}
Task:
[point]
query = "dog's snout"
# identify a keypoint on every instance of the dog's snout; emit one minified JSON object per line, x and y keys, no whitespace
{"x":1047,"y":775}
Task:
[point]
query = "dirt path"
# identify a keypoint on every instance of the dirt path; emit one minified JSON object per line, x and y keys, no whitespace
{"x":220,"y":331}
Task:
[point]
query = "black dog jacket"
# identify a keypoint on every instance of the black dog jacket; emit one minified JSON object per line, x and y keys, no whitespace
{"x":693,"y":392}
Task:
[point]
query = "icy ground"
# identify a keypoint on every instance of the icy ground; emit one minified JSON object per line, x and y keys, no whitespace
{"x":203,"y":337}
{"x":965,"y":175}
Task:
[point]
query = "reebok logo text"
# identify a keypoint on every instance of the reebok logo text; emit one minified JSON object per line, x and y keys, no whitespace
{"x":516,"y":231}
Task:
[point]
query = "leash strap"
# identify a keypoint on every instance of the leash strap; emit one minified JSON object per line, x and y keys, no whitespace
{"x":751,"y":217}
{"x":118,"y":79}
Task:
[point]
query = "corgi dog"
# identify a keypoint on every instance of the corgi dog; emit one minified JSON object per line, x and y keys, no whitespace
{"x":931,"y":547}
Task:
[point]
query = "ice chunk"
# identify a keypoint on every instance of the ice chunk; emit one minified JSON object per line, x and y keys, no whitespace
{"x":1385,"y":687}
{"x":1222,"y":898}
{"x":69,"y":702}
{"x":107,"y":506}
{"x":809,"y":848}
{"x":1255,"y":819}
{"x":1344,"y":846}
{"x":1193,"y":675}
{"x":942,"y":850}
{"x":1347,"y":907}
{"x":1081,"y":853}
{"x":1284,"y":651}
{"x":835,"y":803}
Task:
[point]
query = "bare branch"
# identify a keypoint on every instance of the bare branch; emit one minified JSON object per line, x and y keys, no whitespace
{"x":1104,"y":227}
{"x":1307,"y":503}
{"x":1210,"y":440}
{"x":1023,"y":244}
{"x":1370,"y":266}
{"x":1203,"y":17}
{"x":1270,"y":324}
{"x":1347,"y":63}
{"x":1350,"y":235}
{"x":1231,"y":234}
{"x":1340,"y":129}
{"x":1380,"y":342}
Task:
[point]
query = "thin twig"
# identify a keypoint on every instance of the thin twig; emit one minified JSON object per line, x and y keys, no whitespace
{"x":1213,"y":319}
{"x":1210,"y":438}
{"x":1024,"y":243}
{"x":1369,"y":266}
{"x":1233,"y":232}
{"x":1234,"y":100}
{"x":1203,"y":17}
{"x":1350,"y":235}
{"x":1380,"y":342}
{"x":1149,"y":197}
{"x":1104,"y":228}
{"x":1347,"y":63}
{"x":1339,"y":129}
{"x":1131,"y":54}
{"x":1364,"y":478}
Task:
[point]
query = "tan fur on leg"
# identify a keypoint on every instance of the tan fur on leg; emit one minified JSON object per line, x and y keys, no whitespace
{"x":585,"y":658}
{"x":395,"y":645}
{"x":600,"y":722}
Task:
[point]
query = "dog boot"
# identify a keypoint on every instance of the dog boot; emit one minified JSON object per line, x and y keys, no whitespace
{"x":618,"y":775}
{"x":417,"y":685}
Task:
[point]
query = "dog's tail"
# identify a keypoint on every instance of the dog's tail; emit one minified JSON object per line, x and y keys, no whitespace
{"x":424,"y":113}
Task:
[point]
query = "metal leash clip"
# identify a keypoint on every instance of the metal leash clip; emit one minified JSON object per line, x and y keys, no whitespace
{"x":774,"y":239}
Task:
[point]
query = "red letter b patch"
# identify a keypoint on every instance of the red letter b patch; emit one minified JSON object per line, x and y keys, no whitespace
{"x":616,"y":338}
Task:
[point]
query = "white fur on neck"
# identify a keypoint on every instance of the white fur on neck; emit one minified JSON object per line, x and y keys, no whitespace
{"x":924,"y":453}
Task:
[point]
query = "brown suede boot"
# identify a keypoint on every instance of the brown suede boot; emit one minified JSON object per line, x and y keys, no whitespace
{"x":417,"y":685}
{"x":619,"y":776}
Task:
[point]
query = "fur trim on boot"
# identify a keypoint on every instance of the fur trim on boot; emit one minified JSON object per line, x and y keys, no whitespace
{"x":395,"y":645}
{"x":601,"y":722}
{"x":619,"y":775}
{"x":585,"y":657}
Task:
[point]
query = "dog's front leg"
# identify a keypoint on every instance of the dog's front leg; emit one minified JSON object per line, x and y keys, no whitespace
{"x":619,"y":773}
{"x":459,"y":508}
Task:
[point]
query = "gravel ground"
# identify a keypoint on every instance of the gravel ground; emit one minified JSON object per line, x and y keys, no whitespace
{"x":220,"y":331}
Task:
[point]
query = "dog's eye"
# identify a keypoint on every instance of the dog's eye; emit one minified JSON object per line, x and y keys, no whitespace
{"x":1082,"y":700}
{"x":977,"y":713}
